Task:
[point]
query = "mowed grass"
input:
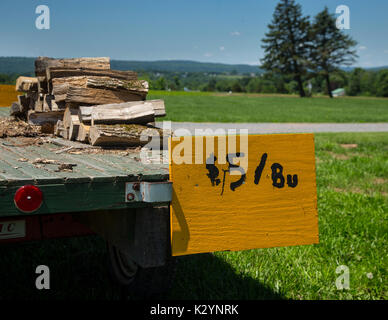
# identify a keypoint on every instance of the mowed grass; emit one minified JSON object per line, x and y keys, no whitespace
{"x":8,"y":95}
{"x":209,"y":107}
{"x":352,"y":181}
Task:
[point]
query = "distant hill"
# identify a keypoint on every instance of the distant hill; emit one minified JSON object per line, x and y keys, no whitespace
{"x":21,"y":65}
{"x":25,"y":66}
{"x":183,"y":66}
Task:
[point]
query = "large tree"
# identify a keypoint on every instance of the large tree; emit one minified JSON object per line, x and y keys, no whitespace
{"x":286,"y":43}
{"x":331,"y":48}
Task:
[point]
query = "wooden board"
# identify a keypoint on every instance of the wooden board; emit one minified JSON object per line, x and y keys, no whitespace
{"x":97,"y":182}
{"x":213,"y":210}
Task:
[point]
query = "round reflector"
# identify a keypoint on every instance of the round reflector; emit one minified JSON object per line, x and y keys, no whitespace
{"x":28,"y":198}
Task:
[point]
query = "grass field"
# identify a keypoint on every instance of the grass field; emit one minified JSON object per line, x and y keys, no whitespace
{"x":352,"y":179}
{"x":213,"y":107}
{"x":7,"y":95}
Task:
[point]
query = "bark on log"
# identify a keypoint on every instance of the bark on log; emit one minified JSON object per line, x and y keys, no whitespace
{"x":41,"y":63}
{"x":123,"y":135}
{"x":52,"y":73}
{"x":60,"y":86}
{"x":100,"y":96}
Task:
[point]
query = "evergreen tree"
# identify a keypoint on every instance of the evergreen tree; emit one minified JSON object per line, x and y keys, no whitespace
{"x":286,"y":43}
{"x":331,"y":48}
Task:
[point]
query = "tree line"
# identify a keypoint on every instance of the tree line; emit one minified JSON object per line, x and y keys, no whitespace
{"x":304,"y":49}
{"x":358,"y":82}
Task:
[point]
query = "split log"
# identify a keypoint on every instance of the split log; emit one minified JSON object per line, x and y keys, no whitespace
{"x":100,"y":96}
{"x":64,"y":133}
{"x":15,"y":110}
{"x":52,"y":73}
{"x":85,"y":113}
{"x":83,"y":133}
{"x":136,"y":86}
{"x":24,"y":102}
{"x":33,"y":96}
{"x":58,"y":127}
{"x":70,"y":115}
{"x":50,"y":104}
{"x":39,"y":103}
{"x":47,"y":120}
{"x":42,"y":85}
{"x":139,"y":114}
{"x":74,"y":128}
{"x":25,"y":84}
{"x":47,"y":102}
{"x":123,"y":135}
{"x":41,"y":63}
{"x":60,"y":86}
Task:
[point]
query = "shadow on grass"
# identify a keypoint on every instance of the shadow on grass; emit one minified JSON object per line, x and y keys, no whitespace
{"x":78,"y":270}
{"x":206,"y":276}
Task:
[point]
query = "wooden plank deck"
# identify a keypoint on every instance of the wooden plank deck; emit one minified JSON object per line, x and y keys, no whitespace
{"x":96,"y":181}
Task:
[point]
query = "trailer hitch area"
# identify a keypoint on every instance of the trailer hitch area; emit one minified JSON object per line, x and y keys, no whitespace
{"x":149,"y":192}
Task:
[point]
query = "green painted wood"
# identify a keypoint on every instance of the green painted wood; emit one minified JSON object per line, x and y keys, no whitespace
{"x":96,"y":183}
{"x":4,"y":111}
{"x":28,"y":169}
{"x":70,"y":198}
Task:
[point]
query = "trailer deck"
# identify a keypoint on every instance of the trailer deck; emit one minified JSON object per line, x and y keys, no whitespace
{"x":73,"y":177}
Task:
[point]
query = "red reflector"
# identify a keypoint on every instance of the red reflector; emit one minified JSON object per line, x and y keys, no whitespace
{"x":28,"y":198}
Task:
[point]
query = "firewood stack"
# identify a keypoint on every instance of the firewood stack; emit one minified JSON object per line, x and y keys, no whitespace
{"x":82,"y":99}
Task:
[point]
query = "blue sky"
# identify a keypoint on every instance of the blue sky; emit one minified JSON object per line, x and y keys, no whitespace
{"x":227,"y":31}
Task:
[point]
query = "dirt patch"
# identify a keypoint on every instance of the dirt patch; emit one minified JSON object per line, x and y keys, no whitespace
{"x":380,"y":181}
{"x":349,"y":146}
{"x":339,"y":156}
{"x":351,"y":190}
{"x":16,"y":128}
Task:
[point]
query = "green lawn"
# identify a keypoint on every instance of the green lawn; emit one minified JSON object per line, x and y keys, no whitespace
{"x":353,"y":205}
{"x":208,"y":107}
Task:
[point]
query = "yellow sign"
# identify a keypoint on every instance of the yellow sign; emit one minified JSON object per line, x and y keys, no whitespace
{"x":242,"y":192}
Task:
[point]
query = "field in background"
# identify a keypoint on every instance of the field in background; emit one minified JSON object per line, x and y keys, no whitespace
{"x":237,"y":107}
{"x":352,"y":181}
{"x":217,"y":107}
{"x":8,"y":95}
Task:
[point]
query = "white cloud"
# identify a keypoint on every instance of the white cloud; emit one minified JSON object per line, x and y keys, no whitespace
{"x":207,"y":54}
{"x":235,"y":33}
{"x":222,"y":48}
{"x":362,"y":48}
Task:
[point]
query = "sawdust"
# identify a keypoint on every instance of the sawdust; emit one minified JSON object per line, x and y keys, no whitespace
{"x":16,"y":128}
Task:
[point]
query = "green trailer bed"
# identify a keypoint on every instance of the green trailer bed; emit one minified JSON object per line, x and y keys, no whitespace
{"x":96,"y":181}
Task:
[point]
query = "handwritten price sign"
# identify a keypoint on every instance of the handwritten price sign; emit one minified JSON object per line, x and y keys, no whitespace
{"x":261,"y":194}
